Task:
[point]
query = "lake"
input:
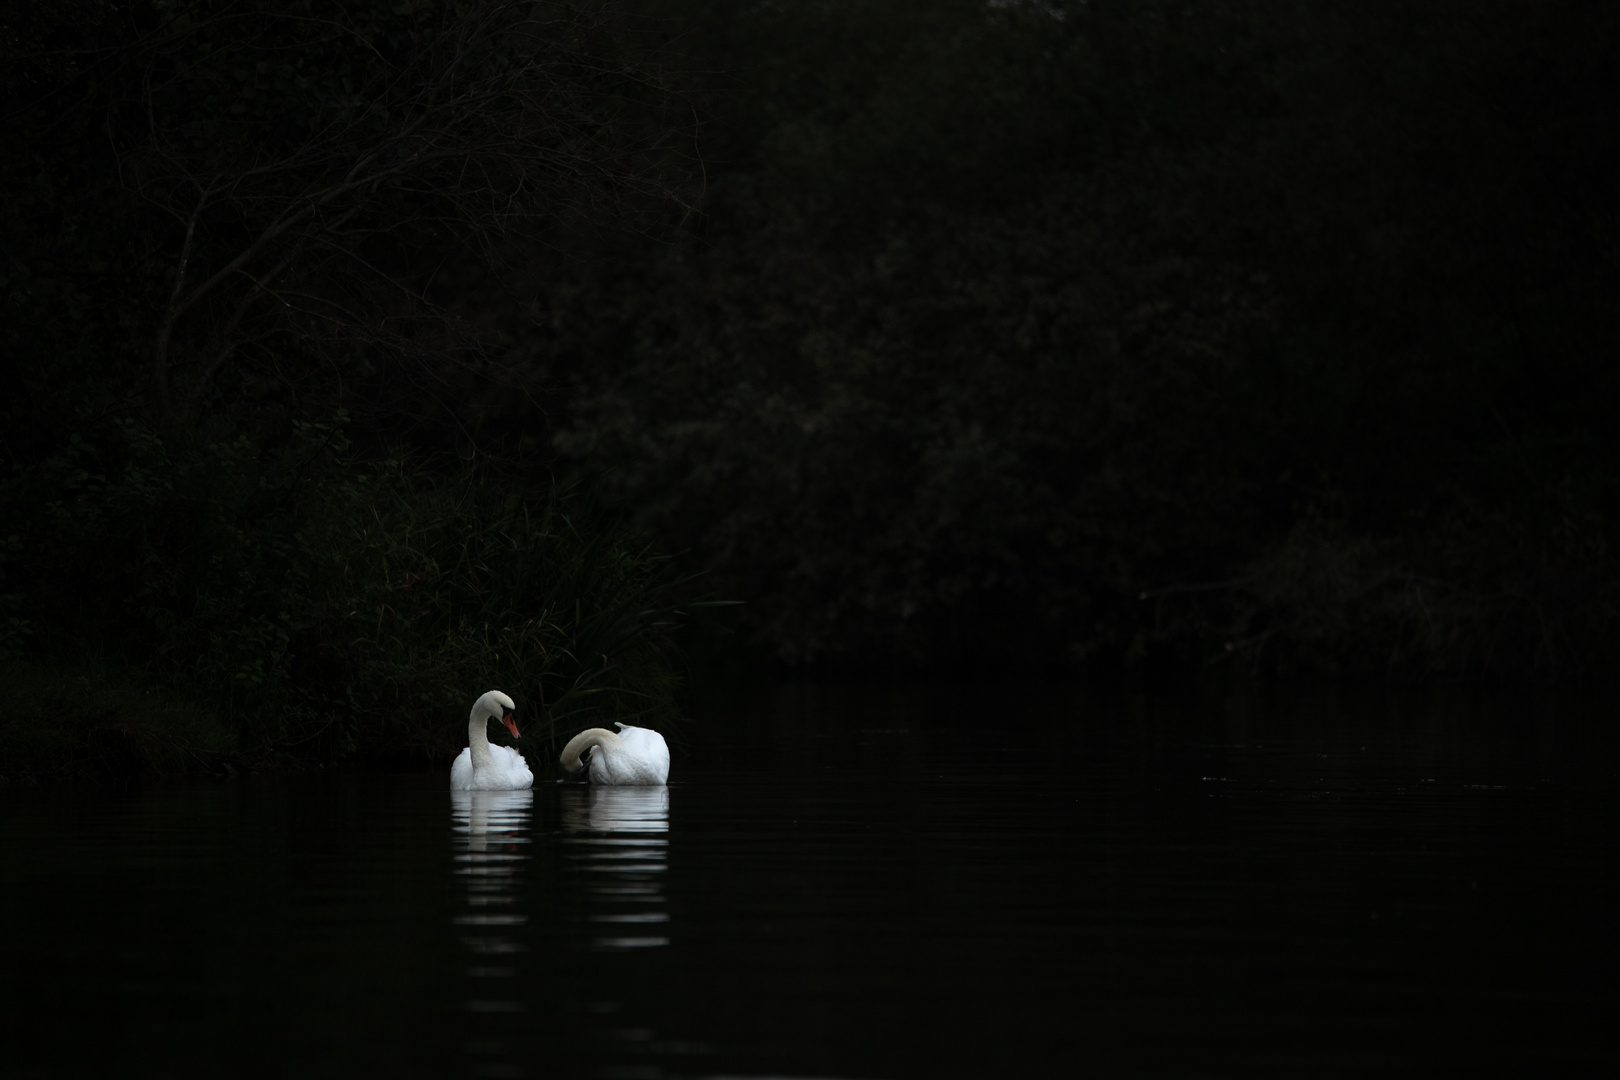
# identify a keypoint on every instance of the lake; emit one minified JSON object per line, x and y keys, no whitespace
{"x":857,"y":882}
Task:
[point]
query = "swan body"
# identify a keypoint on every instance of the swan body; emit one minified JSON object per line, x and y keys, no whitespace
{"x":482,"y":767}
{"x":634,"y":755}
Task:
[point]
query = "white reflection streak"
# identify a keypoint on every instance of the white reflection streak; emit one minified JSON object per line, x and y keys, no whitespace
{"x":490,"y":832}
{"x":617,"y":838}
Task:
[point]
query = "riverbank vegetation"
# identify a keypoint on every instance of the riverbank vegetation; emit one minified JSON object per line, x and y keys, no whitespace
{"x":1098,"y":338}
{"x":292,"y":604}
{"x":245,"y":474}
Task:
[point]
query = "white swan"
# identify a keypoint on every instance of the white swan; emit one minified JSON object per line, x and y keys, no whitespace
{"x":482,"y":767}
{"x":636,"y":755}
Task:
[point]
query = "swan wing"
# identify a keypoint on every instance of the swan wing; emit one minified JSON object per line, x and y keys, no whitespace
{"x":657,"y":758}
{"x":643,"y":758}
{"x":517,"y":769}
{"x":508,"y":771}
{"x":461,"y":772}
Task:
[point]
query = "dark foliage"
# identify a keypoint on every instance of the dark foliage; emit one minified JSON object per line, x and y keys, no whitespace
{"x":977,"y":334}
{"x":233,"y":204}
{"x":1044,"y":334}
{"x":322,"y":606}
{"x":225,"y":224}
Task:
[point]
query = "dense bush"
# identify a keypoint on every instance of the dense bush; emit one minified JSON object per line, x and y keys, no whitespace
{"x":324,"y":605}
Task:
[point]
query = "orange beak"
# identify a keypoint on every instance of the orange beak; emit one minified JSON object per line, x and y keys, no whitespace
{"x":510,"y":720}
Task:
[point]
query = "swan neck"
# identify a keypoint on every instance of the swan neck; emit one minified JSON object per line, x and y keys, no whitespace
{"x":478,"y":741}
{"x":585,"y":740}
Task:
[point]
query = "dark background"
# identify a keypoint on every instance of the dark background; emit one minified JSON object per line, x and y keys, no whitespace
{"x":1135,"y":340}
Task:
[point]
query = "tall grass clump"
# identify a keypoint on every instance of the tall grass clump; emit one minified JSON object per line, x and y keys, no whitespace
{"x":327,"y":607}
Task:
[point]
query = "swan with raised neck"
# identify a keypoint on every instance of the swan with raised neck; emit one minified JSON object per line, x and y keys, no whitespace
{"x":634,"y":755}
{"x":485,"y":767}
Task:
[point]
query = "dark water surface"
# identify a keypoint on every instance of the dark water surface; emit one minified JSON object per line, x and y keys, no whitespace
{"x":856,"y":882}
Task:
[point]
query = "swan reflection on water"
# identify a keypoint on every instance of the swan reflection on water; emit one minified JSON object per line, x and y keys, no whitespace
{"x":481,"y":816}
{"x":490,"y":831}
{"x":617,"y":837}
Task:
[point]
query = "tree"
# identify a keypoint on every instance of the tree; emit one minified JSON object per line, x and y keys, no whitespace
{"x":295,"y":178}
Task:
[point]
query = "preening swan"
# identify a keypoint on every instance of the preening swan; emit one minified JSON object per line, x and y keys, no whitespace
{"x":482,"y":767}
{"x":636,"y":755}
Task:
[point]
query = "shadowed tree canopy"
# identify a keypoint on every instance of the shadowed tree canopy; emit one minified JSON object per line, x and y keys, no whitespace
{"x":235,"y":233}
{"x":1006,"y":335}
{"x":289,"y":194}
{"x":1055,"y":334}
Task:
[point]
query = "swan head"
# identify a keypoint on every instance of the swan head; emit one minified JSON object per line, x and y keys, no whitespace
{"x":497,"y":706}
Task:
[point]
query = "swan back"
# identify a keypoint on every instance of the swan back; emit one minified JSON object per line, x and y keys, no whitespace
{"x":633,"y":756}
{"x":650,"y":752}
